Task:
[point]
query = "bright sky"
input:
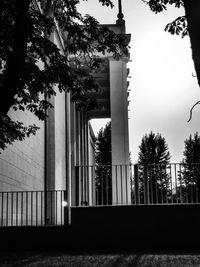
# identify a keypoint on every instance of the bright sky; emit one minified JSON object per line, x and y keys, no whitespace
{"x":162,"y":86}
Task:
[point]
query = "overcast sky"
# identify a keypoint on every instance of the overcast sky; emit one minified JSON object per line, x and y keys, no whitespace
{"x":162,"y":86}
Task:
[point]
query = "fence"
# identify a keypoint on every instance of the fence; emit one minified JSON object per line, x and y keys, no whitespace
{"x":32,"y":208}
{"x":174,"y":183}
{"x":152,"y":184}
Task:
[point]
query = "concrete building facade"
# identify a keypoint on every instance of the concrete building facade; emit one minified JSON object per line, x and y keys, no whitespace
{"x":55,"y":158}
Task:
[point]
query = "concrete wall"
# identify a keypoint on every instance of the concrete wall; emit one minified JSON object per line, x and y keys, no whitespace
{"x":56,"y":135}
{"x":119,"y":130}
{"x":125,"y":228}
{"x":22,"y":164}
{"x":60,"y":142}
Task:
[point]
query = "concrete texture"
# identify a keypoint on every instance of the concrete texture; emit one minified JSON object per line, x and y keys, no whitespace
{"x":22,"y":164}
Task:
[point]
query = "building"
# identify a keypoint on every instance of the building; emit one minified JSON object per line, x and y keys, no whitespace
{"x":53,"y":165}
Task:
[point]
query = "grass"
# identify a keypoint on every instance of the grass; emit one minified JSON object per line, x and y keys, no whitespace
{"x":33,"y":259}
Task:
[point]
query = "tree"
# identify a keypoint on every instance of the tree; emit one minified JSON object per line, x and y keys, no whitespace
{"x":153,"y":160}
{"x":103,"y":165}
{"x":190,"y":23}
{"x":31,"y":65}
{"x":190,"y":175}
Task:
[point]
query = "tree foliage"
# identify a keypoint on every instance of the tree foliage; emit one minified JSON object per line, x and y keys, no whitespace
{"x":103,"y":165}
{"x":179,"y":25}
{"x":153,"y":150}
{"x":190,"y":174}
{"x":103,"y":146}
{"x":32,"y":66}
{"x":153,"y":160}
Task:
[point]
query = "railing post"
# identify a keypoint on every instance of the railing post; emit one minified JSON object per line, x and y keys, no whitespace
{"x":136,"y":182}
{"x":67,"y":209}
{"x":77,"y":186}
{"x":146,"y":187}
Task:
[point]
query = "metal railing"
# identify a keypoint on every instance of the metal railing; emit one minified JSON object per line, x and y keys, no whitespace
{"x":175,"y":183}
{"x":152,"y":184}
{"x":32,"y":208}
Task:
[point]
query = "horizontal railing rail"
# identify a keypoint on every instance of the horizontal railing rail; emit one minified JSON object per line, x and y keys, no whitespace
{"x":32,"y":208}
{"x":150,"y":184}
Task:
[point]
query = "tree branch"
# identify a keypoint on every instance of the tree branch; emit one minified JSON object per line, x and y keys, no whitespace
{"x":197,"y":103}
{"x":16,"y":60}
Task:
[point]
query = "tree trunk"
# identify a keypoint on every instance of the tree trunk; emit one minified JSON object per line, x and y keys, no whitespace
{"x":16,"y":60}
{"x":192,"y":10}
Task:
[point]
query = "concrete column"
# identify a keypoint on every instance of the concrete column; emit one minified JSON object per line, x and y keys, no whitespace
{"x":50,"y":143}
{"x":73,"y":151}
{"x":119,"y":132}
{"x":68,"y":153}
{"x":78,"y":157}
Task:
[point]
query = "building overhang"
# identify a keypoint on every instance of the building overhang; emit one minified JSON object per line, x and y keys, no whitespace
{"x":102,"y":76}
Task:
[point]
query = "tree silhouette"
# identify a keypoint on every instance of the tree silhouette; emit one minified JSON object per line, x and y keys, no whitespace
{"x":32,"y":66}
{"x":190,"y":175}
{"x":103,"y":165}
{"x":153,"y":160}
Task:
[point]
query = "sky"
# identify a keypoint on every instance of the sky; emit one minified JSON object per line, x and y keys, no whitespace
{"x":162,"y":85}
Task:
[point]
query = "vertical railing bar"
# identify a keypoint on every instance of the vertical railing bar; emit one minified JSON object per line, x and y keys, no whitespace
{"x":107,"y":186}
{"x":186,"y":190}
{"x":21,"y":208}
{"x":161,"y":184}
{"x":170,"y":173}
{"x":36,"y":207}
{"x":61,"y":206}
{"x":51,"y":207}
{"x":181,"y":197}
{"x":7,"y":209}
{"x":97,"y":188}
{"x":166,"y":183}
{"x":131,"y":184}
{"x":85,"y":184}
{"x":17,"y":208}
{"x":41,"y":203}
{"x":11,"y":208}
{"x":56,"y":208}
{"x":136,"y":185}
{"x":92,"y":187}
{"x":146,"y":193}
{"x":175,"y":167}
{"x":92,"y":181}
{"x":27,"y":208}
{"x":176,"y":185}
{"x":151,"y":189}
{"x":121,"y":172}
{"x":157,"y":199}
{"x":196,"y":187}
{"x":31,"y":208}
{"x":102,"y":184}
{"x":126,"y":181}
{"x":117,"y":197}
{"x":191,"y":188}
{"x":82,"y":185}
{"x":1,"y":208}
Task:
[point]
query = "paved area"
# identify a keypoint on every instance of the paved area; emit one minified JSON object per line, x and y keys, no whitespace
{"x":32,"y":259}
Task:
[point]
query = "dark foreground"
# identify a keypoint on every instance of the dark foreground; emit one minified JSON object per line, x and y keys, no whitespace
{"x":98,"y":259}
{"x":124,"y":236}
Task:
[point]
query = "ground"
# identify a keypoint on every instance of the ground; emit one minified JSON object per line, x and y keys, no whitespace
{"x":32,"y":259}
